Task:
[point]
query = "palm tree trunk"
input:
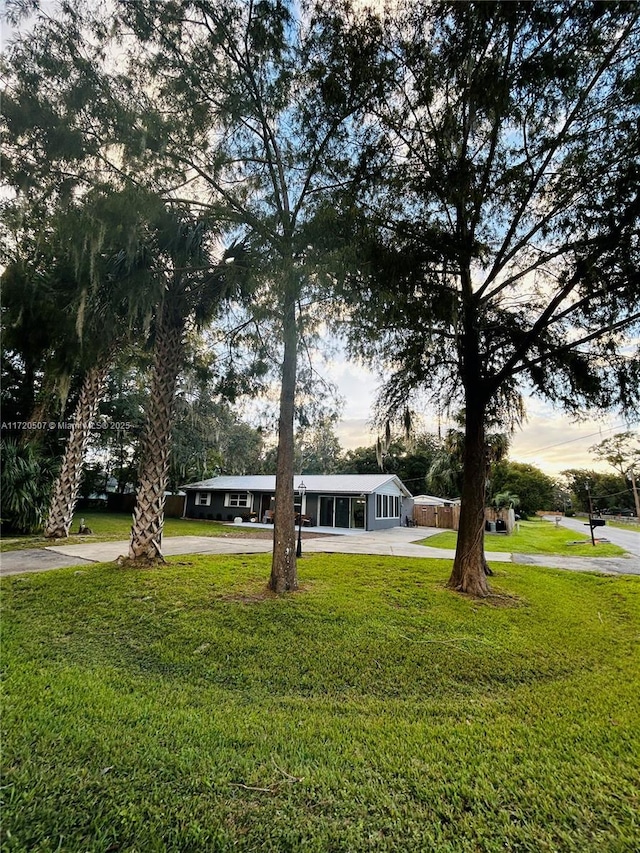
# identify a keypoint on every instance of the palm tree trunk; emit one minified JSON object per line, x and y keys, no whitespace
{"x":284,"y":573}
{"x":67,"y":485}
{"x":155,"y":445}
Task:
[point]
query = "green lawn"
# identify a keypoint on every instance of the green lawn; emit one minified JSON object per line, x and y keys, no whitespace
{"x":183,"y":709}
{"x":535,"y":537}
{"x":109,"y":527}
{"x":625,"y":525}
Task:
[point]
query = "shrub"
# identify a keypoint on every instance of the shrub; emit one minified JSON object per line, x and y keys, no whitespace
{"x":25,"y":485}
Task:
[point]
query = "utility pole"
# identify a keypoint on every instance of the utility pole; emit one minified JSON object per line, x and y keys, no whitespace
{"x":593,"y":539}
{"x":634,"y":486}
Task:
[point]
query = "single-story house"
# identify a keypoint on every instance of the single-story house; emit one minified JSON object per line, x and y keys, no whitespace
{"x":364,"y":501}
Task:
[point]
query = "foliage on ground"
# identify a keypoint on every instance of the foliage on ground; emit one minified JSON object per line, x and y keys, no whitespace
{"x":185,"y":709}
{"x":112,"y":527}
{"x":536,"y":537}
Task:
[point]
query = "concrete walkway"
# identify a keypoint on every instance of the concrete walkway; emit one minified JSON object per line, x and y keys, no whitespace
{"x":395,"y":542}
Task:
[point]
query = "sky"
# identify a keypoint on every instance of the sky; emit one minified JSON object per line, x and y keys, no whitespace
{"x":548,"y":439}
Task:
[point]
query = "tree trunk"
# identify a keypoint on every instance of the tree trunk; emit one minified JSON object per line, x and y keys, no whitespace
{"x":155,"y":445}
{"x":284,"y":573}
{"x":67,"y":485}
{"x":470,"y":569}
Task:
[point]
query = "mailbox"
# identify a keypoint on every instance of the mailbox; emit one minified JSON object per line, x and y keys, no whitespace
{"x":598,"y":522}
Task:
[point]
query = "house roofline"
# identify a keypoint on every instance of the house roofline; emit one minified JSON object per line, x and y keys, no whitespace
{"x":210,"y":484}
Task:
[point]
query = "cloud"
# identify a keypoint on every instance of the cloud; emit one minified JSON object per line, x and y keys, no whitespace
{"x":549,"y":439}
{"x":356,"y":384}
{"x":355,"y":432}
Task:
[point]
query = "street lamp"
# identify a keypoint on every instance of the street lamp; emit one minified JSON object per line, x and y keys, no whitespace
{"x":301,"y":491}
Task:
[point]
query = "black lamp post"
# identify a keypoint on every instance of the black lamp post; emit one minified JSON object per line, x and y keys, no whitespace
{"x":301,"y":491}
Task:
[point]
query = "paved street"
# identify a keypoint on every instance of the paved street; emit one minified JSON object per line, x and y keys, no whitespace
{"x":627,"y":539}
{"x":396,"y":542}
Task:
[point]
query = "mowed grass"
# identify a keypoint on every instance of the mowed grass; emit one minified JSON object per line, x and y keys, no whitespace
{"x":624,"y":525}
{"x":536,"y":537}
{"x":111,"y":527}
{"x":184,"y":709}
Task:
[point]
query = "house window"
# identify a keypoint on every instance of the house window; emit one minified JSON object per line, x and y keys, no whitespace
{"x":203,"y":498}
{"x":387,"y":506}
{"x":237,"y":499}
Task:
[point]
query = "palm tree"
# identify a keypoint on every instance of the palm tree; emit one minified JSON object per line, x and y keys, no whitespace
{"x":39,"y":346}
{"x":66,"y":488}
{"x":444,"y":476}
{"x":194,"y":289}
{"x":110,"y":266}
{"x":506,"y":500}
{"x":47,"y":297}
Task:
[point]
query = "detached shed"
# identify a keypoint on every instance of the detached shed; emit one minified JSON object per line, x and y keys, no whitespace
{"x":351,"y":501}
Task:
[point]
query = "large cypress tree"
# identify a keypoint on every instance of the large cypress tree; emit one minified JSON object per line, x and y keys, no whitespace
{"x":502,"y":220}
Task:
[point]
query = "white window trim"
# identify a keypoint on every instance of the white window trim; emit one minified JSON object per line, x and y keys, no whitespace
{"x":393,"y":503}
{"x":206,"y":495}
{"x":247,"y":505}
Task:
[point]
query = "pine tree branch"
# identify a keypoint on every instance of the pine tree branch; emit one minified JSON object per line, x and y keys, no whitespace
{"x":559,"y":140}
{"x":574,"y":345}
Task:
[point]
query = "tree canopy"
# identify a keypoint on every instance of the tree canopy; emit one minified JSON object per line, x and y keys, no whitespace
{"x":500,"y":220}
{"x":534,"y":488}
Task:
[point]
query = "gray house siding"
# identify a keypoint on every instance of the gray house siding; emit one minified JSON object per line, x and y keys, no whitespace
{"x":217,"y":508}
{"x":377,"y":506}
{"x":407,"y":510}
{"x":385,"y":507}
{"x":311,"y":508}
{"x":216,"y":511}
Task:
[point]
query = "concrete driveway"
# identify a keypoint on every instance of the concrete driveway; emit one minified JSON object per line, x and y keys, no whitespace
{"x":61,"y":556}
{"x":395,"y":542}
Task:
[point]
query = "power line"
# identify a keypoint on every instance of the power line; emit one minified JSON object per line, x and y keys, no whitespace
{"x":611,"y":495}
{"x":571,"y":440}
